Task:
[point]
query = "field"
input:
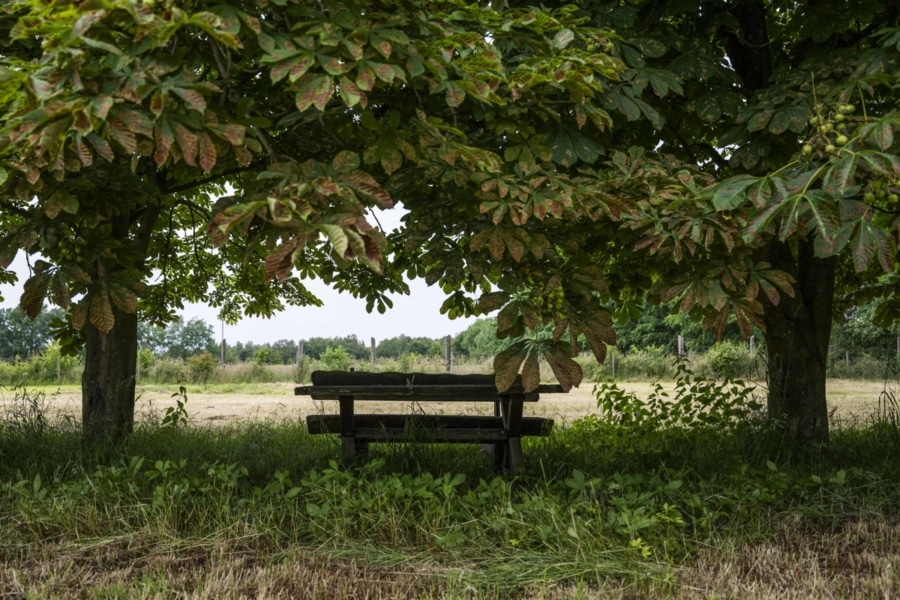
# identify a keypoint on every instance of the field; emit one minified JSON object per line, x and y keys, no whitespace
{"x":241,"y":503}
{"x":218,"y":404}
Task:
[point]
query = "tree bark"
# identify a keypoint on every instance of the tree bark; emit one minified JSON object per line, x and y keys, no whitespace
{"x":797,"y":335}
{"x":107,"y":384}
{"x":110,"y":359}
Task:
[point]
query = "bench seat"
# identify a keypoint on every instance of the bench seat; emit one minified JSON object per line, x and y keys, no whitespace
{"x":446,"y":429}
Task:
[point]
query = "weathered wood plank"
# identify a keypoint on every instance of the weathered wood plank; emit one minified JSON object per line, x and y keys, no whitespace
{"x":419,"y":393}
{"x":414,"y":424}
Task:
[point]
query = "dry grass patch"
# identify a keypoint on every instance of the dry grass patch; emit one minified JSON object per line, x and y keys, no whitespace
{"x":853,"y":559}
{"x":117,"y":570}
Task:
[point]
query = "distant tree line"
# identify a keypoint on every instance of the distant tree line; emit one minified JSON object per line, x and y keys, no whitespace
{"x":651,"y":327}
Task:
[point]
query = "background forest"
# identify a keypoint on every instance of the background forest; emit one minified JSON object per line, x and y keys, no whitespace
{"x":189,"y":351}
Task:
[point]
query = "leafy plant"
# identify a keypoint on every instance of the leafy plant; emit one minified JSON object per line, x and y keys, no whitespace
{"x":177,"y":416}
{"x":722,"y":404}
{"x":336,"y":359}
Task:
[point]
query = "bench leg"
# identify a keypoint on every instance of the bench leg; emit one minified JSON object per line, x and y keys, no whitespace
{"x":348,"y":450}
{"x":348,"y":430}
{"x":515,"y":457}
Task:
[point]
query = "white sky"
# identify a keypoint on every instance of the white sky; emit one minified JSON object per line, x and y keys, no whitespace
{"x":417,"y":314}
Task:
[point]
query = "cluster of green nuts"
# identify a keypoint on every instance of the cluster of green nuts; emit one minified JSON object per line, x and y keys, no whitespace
{"x":882,"y":189}
{"x":551,"y":302}
{"x":829,"y":125}
{"x":68,"y":248}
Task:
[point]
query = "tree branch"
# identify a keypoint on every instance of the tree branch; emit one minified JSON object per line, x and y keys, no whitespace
{"x":201,"y":182}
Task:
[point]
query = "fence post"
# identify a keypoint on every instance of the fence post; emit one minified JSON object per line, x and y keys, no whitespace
{"x":373,"y":354}
{"x":612,"y":358}
{"x":847,"y":362}
{"x":299,"y":358}
{"x":448,"y":354}
{"x":680,"y":346}
{"x":752,"y":344}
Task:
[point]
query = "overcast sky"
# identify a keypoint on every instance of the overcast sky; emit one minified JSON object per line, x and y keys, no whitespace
{"x":417,"y":314}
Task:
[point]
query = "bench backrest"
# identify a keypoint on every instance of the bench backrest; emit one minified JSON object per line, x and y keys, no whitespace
{"x":354,"y":378}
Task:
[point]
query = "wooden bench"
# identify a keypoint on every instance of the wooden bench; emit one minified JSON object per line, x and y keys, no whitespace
{"x":501,"y":433}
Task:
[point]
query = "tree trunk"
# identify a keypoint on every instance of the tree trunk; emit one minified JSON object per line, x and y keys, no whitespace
{"x":797,"y":335}
{"x":107,"y":384}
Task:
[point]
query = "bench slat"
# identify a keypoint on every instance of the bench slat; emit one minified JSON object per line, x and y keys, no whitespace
{"x":412,"y":427}
{"x":421,"y":393}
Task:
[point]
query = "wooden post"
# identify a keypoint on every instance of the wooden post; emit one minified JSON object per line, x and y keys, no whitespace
{"x":373,"y":353}
{"x":752,"y":344}
{"x":612,"y":361}
{"x":448,"y":354}
{"x":847,"y":362}
{"x":680,"y":346}
{"x":299,"y":357}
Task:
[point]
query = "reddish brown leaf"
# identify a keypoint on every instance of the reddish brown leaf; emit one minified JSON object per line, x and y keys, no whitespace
{"x":492,"y":301}
{"x":531,"y":373}
{"x":365,"y":79}
{"x":59,"y":291}
{"x":192,"y":98}
{"x":366,"y":185}
{"x":101,"y":312}
{"x":124,"y":298}
{"x":279,"y":262}
{"x":567,"y":371}
{"x":137,"y":122}
{"x":76,"y":273}
{"x":82,"y":151}
{"x":87,"y":20}
{"x":123,"y":136}
{"x":207,"y":152}
{"x":496,"y":245}
{"x":315,"y":91}
{"x":78,"y":313}
{"x":187,"y":141}
{"x":507,"y":365}
{"x":81,"y":121}
{"x":164,"y":140}
{"x":33,"y":294}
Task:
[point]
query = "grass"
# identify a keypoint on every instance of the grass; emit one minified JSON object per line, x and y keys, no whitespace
{"x":605,"y":508}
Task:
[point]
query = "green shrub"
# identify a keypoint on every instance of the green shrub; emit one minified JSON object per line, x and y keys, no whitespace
{"x":202,"y":367}
{"x":336,"y":359}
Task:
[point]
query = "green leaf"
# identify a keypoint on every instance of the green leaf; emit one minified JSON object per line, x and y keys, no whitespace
{"x":730,"y":194}
{"x":759,"y":120}
{"x":871,"y":241}
{"x":839,"y":176}
{"x":880,"y":133}
{"x":345,"y":161}
{"x":663,"y":82}
{"x":454,"y":94}
{"x":59,"y":201}
{"x":563,"y":38}
{"x":569,"y":146}
{"x":340,"y":243}
{"x":350,"y":92}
